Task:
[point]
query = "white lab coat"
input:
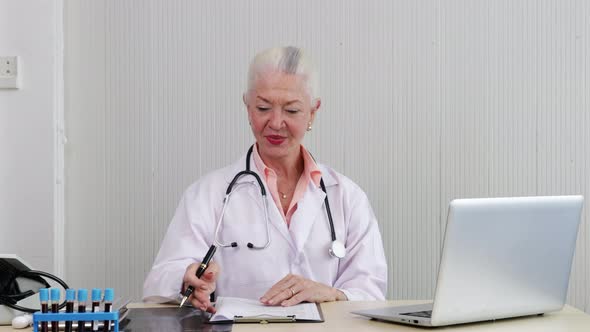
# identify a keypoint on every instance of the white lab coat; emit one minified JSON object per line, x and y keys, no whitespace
{"x":300,"y":249}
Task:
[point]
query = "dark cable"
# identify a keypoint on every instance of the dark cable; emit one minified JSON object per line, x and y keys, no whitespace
{"x":7,"y":301}
{"x":332,"y":232}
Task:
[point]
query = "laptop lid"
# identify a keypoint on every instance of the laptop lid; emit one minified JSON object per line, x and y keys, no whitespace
{"x":505,"y":257}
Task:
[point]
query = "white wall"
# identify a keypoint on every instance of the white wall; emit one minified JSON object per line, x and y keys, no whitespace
{"x":29,"y":29}
{"x":423,"y":102}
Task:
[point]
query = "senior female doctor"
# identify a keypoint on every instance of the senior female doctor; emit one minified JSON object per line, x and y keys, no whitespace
{"x":282,"y":248}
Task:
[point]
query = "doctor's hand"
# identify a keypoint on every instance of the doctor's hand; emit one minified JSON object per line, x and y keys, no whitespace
{"x":202,"y":287}
{"x":294,"y":289}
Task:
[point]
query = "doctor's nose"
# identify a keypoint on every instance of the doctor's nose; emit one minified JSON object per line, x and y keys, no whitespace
{"x":276,"y":120}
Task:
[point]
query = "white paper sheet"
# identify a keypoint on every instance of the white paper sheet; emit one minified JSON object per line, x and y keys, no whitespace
{"x":229,"y":307}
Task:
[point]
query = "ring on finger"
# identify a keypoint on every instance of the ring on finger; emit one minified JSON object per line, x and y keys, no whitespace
{"x":292,"y":291}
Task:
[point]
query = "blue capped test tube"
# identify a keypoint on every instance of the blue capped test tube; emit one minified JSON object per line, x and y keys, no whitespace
{"x":43,"y":298}
{"x":55,"y":294}
{"x":82,"y":298}
{"x":109,"y":296}
{"x":96,"y":292}
{"x":70,"y":298}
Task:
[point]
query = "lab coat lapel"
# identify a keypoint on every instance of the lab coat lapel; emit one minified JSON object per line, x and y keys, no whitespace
{"x":277,"y":221}
{"x":309,"y":209}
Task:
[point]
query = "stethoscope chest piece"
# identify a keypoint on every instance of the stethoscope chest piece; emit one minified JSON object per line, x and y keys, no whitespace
{"x":337,"y":249}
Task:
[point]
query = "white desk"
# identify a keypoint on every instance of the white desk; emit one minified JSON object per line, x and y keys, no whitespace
{"x":338,"y":318}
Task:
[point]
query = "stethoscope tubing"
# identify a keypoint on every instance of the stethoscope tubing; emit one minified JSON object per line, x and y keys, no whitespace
{"x":337,"y":249}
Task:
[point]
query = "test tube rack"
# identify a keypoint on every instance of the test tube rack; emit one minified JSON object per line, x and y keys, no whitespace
{"x":76,"y":316}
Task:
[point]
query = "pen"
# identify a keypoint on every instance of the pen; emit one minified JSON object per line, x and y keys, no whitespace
{"x":204,"y":264}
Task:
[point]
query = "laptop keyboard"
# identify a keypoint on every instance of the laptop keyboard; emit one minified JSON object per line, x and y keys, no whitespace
{"x":425,"y":314}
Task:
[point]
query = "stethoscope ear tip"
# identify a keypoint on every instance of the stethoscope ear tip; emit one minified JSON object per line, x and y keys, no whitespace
{"x":234,"y":244}
{"x":250,"y":245}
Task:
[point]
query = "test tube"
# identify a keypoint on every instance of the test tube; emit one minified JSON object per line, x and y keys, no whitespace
{"x":55,"y":293}
{"x":43,"y":298}
{"x":82,"y":298}
{"x":109,"y":295}
{"x":95,"y":306}
{"x":70,"y":298}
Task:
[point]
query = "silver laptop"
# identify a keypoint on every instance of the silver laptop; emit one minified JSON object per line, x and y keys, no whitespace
{"x":501,"y":258}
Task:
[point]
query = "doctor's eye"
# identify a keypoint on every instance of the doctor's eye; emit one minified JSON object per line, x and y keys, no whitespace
{"x":292,"y":111}
{"x":262,"y":108}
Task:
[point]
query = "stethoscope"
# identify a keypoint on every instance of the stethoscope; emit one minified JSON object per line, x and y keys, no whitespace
{"x":337,"y":248}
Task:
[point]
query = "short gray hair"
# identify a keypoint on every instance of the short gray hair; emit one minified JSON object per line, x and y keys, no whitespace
{"x":290,"y":60}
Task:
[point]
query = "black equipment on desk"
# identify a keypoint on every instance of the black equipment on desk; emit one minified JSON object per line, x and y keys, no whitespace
{"x":18,"y":281}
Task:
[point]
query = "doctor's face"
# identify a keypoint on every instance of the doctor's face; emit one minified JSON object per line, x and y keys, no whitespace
{"x":279,"y":110}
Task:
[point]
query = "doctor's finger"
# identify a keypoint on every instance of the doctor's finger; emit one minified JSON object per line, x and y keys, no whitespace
{"x":285,"y":294}
{"x":278,"y":288}
{"x":208,"y":306}
{"x":202,"y":303}
{"x":198,"y":284}
{"x":208,"y":278}
{"x":190,"y":271}
{"x":196,"y":303}
{"x":301,"y":291}
{"x":203,"y":298}
{"x":278,"y":298}
{"x":301,"y":296}
{"x":212,"y":271}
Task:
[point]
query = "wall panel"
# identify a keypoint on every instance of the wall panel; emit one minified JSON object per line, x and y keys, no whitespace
{"x":422,"y":102}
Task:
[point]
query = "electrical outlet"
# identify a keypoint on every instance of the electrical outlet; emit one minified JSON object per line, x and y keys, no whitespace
{"x":9,"y":72}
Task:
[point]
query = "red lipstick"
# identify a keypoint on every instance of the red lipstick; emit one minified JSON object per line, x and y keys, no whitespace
{"x":275,"y":139}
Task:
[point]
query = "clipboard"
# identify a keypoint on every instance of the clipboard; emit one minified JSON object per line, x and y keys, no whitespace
{"x":265,"y":319}
{"x":268,"y":317}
